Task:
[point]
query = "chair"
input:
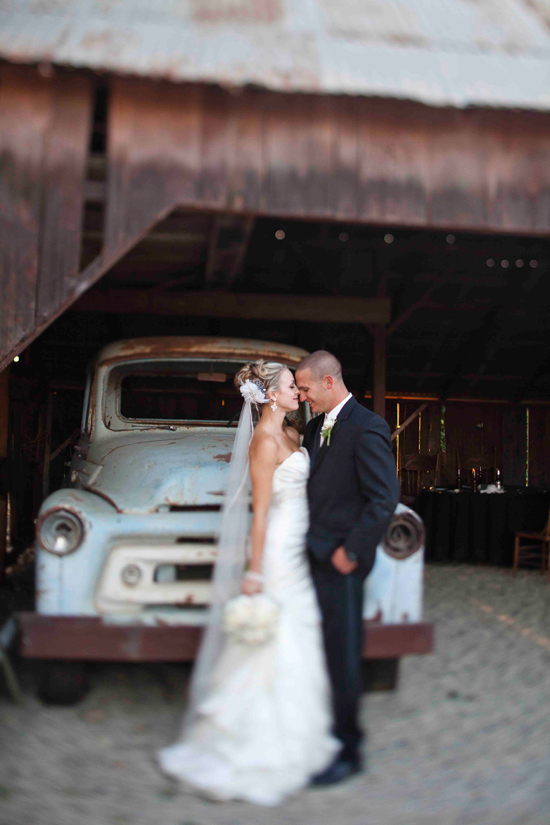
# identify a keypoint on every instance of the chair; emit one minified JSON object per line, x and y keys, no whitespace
{"x":419,"y":465}
{"x":534,"y":552}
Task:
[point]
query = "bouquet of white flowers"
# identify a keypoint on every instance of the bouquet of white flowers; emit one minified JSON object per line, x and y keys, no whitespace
{"x":251,"y":620}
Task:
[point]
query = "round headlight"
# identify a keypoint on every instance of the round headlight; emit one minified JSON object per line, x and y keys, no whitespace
{"x":61,"y":532}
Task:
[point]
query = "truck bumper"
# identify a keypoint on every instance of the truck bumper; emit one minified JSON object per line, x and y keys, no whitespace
{"x":88,"y":639}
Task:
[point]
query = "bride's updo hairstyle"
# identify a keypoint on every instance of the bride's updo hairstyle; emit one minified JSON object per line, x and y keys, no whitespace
{"x":265,"y":374}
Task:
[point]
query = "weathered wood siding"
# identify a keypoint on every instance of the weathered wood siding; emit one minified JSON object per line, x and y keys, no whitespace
{"x":44,"y":134}
{"x":310,"y":156}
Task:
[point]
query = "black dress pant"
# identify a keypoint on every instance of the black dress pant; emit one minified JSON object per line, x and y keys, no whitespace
{"x":341,"y":601}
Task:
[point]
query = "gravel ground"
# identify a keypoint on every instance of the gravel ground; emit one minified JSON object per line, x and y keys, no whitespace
{"x":464,"y":741}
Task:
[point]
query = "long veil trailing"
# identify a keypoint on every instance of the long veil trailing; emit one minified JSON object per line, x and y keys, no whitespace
{"x":231,"y":555}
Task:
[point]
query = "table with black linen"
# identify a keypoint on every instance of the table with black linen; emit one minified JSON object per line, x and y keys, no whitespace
{"x":479,"y":527}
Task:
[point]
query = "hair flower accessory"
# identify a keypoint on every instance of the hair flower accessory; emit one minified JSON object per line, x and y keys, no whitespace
{"x":253,"y":392}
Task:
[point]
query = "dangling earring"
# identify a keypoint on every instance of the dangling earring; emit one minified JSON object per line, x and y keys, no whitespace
{"x":274,"y":405}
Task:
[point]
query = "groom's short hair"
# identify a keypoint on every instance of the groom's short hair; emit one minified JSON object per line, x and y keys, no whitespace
{"x":321,"y":363}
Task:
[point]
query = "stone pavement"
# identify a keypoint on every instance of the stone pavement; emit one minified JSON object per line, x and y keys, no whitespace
{"x":464,"y":741}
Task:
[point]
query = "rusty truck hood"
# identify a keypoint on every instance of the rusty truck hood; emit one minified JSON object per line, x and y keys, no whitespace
{"x":141,"y":472}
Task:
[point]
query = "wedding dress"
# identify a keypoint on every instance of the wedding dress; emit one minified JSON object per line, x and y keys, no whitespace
{"x":264,"y":727}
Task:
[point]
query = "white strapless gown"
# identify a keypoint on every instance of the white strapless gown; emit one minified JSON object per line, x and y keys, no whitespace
{"x":265,"y":726}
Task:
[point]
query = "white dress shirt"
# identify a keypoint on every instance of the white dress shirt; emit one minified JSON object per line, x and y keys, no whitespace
{"x":333,"y":413}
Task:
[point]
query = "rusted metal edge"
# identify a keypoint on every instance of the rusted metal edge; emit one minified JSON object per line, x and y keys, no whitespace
{"x":87,"y":638}
{"x":197,"y":347}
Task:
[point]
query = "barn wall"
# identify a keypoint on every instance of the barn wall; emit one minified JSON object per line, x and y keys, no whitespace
{"x":472,"y":429}
{"x":44,"y":135}
{"x":311,"y":156}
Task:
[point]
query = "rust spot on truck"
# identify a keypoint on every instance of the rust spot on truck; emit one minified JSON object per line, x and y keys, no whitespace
{"x":223,"y":457}
{"x":188,"y":600}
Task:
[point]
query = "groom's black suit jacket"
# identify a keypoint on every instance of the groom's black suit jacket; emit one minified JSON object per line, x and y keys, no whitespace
{"x":352,"y":492}
{"x":352,"y":488}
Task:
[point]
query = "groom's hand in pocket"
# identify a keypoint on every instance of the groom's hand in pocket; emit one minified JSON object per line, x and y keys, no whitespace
{"x":341,"y":561}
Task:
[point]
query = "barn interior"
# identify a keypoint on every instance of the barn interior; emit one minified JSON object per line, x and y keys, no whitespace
{"x":468,"y":336}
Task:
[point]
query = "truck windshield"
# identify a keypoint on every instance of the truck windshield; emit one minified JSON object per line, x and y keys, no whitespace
{"x":187,"y":392}
{"x":176,"y":391}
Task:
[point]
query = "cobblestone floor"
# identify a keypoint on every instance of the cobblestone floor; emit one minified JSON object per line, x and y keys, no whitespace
{"x":464,"y":741}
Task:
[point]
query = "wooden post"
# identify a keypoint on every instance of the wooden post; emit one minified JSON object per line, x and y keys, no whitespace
{"x":379,"y":372}
{"x":4,"y":415}
{"x":47,"y":447}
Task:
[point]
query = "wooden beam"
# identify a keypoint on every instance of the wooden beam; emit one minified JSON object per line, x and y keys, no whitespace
{"x":176,"y":239}
{"x":408,"y":421}
{"x":451,"y":278}
{"x":92,"y":273}
{"x":225,"y":256}
{"x":435,"y":350}
{"x":240,"y":257}
{"x":379,"y":372}
{"x":404,"y":316}
{"x":212,"y":255}
{"x":47,"y":446}
{"x":4,"y":414}
{"x":71,"y":439}
{"x":313,"y":308}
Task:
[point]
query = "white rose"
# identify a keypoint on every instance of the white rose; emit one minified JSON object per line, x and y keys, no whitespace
{"x":237,"y":613}
{"x":251,"y":620}
{"x":265,"y":610}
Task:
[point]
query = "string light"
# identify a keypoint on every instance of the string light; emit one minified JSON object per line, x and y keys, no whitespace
{"x":490,"y":262}
{"x":450,"y":239}
{"x":388,"y":238}
{"x":16,"y":359}
{"x":343,"y":236}
{"x":280,"y":234}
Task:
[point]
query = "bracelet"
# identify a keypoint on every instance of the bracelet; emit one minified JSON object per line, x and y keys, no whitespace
{"x":257,"y":577}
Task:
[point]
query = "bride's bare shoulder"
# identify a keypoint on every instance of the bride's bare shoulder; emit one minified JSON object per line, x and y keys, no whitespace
{"x":263,"y":447}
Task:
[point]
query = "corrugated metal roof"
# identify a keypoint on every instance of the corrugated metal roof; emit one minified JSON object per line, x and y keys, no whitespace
{"x":440,"y":52}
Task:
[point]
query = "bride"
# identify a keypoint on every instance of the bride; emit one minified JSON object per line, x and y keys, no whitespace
{"x":259,"y":723}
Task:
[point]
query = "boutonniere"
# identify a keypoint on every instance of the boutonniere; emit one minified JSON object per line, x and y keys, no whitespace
{"x":326,"y":429}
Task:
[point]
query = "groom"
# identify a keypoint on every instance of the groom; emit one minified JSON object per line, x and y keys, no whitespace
{"x":352,"y":493}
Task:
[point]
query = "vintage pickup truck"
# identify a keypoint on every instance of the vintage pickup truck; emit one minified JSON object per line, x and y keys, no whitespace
{"x":125,"y":550}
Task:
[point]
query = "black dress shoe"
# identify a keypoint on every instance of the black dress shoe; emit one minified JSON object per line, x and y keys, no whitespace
{"x":340,"y":768}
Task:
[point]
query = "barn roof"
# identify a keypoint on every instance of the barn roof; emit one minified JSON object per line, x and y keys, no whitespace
{"x":440,"y":52}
